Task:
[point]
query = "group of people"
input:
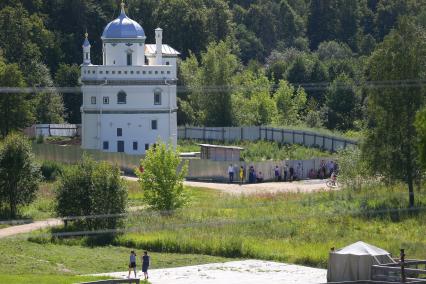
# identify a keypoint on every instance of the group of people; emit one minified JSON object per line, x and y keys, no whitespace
{"x":327,"y":169}
{"x":145,"y":264}
{"x":284,"y":173}
{"x":253,"y":176}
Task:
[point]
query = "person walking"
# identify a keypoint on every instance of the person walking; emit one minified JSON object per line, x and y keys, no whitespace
{"x":231,"y":173}
{"x":132,"y":263}
{"x":145,"y":264}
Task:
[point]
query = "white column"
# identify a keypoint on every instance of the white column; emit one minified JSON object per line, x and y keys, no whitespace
{"x":159,"y":46}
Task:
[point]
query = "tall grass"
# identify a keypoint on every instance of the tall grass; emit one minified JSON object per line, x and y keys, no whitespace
{"x":297,"y":228}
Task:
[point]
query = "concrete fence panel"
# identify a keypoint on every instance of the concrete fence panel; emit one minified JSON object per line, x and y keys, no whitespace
{"x":197,"y":169}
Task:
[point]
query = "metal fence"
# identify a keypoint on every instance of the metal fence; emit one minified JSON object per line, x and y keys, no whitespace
{"x":47,"y":130}
{"x":197,"y":169}
{"x":253,"y":133}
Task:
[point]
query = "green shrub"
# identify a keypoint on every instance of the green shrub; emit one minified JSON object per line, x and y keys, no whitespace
{"x":19,"y":173}
{"x":162,"y":179}
{"x":92,"y":188}
{"x":51,"y":170}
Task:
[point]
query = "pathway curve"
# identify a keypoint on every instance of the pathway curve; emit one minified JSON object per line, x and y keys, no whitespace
{"x":21,"y":229}
{"x":234,"y":272}
{"x":38,"y":225}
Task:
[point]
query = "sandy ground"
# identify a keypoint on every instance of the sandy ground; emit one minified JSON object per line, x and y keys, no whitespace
{"x":235,"y":272}
{"x":304,"y":186}
{"x":21,"y":229}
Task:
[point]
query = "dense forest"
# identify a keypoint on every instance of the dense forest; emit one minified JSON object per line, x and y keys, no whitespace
{"x":244,"y":62}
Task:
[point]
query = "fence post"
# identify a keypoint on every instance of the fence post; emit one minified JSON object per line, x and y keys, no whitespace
{"x":242,"y":133}
{"x":185,"y":135}
{"x":282,"y":136}
{"x":345,"y":144}
{"x":273,"y":132}
{"x":223,"y":134}
{"x":260,"y":133}
{"x":332,"y":144}
{"x":323,"y":142}
{"x":315,"y":139}
{"x":204,"y":133}
{"x":304,"y":143}
{"x":402,"y":262}
{"x":294,"y":140}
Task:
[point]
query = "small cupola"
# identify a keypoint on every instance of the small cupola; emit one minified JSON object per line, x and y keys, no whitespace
{"x":86,"y":50}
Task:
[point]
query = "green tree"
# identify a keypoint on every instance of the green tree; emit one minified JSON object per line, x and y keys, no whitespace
{"x":190,"y":110}
{"x":323,"y":22}
{"x":19,"y":173}
{"x":23,"y":37}
{"x":162,"y":178}
{"x":252,"y":102}
{"x":15,"y":108}
{"x":92,"y":188}
{"x":342,"y":101}
{"x":290,"y":103}
{"x":48,"y":106}
{"x":421,"y":132}
{"x":67,"y":76}
{"x":333,"y":50}
{"x":300,"y":71}
{"x":390,"y":143}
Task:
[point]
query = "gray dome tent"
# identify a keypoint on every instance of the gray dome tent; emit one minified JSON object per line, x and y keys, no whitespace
{"x":354,"y":262}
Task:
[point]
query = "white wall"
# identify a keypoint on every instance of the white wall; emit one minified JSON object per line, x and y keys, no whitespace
{"x":116,"y":53}
{"x":170,"y":60}
{"x":138,"y":97}
{"x":102,"y":126}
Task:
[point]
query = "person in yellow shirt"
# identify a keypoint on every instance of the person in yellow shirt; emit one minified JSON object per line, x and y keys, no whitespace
{"x":242,"y":175}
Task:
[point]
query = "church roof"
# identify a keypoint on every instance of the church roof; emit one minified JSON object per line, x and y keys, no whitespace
{"x":166,"y":49}
{"x":123,"y":27}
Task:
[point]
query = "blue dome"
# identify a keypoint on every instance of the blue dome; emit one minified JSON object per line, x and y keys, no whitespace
{"x":123,"y":27}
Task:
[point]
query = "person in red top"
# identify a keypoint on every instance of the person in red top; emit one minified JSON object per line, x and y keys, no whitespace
{"x":141,"y":169}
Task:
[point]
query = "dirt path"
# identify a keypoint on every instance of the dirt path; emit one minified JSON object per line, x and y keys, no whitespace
{"x":38,"y":225}
{"x":21,"y":229}
{"x":304,"y":186}
{"x":234,"y":272}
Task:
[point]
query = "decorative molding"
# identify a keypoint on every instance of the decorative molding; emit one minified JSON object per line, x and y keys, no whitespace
{"x":158,"y":82}
{"x":160,"y":111}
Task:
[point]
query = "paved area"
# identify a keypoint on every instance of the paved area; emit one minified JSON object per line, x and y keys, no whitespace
{"x":21,"y":229}
{"x":304,"y":186}
{"x":235,"y":272}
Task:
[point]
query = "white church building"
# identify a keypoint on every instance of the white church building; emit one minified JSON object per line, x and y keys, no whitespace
{"x":129,"y":102}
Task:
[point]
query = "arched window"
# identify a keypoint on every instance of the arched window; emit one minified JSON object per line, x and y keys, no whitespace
{"x":121,"y":97}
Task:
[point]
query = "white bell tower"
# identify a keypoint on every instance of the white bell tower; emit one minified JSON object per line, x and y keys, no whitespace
{"x":86,"y":50}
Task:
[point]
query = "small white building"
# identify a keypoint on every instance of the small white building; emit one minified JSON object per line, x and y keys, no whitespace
{"x":129,"y":102}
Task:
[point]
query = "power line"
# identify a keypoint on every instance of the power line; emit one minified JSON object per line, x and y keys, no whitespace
{"x":317,"y":86}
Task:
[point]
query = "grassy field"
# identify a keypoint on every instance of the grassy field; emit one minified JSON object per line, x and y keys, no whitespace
{"x":24,"y":261}
{"x":297,"y":228}
{"x":264,"y":150}
{"x":43,"y":207}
